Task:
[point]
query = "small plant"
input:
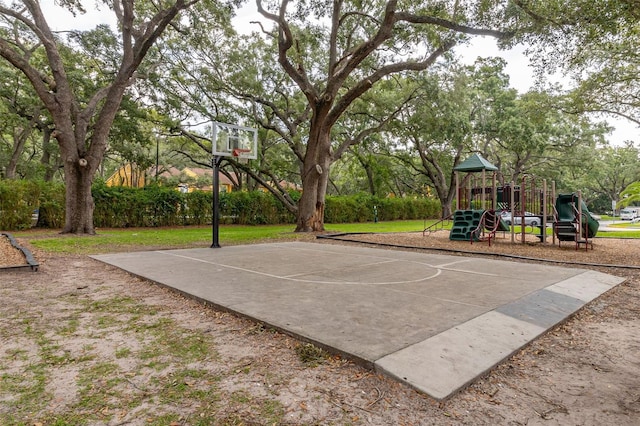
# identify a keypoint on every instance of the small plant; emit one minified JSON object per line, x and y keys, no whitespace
{"x":122,"y":352}
{"x":311,"y":355}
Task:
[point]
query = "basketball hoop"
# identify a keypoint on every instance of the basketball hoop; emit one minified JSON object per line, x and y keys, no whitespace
{"x":237,"y":152}
{"x":228,"y":140}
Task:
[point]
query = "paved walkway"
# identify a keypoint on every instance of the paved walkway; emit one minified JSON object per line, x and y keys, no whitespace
{"x":434,"y":321}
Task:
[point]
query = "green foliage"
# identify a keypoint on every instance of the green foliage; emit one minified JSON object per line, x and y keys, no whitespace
{"x":253,"y":208}
{"x":152,"y":206}
{"x":117,"y":206}
{"x":51,"y":205}
{"x":631,"y":195}
{"x":611,"y":169}
{"x":360,"y":208}
{"x":342,"y":209}
{"x":594,"y":43}
{"x":18,"y":200}
{"x":198,"y":208}
{"x":121,"y":207}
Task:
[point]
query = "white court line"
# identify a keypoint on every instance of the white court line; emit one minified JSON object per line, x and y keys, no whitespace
{"x":444,"y":265}
{"x":486,"y":274}
{"x":333,"y":252}
{"x":324,"y":270}
{"x":438,"y":272}
{"x":439,"y":267}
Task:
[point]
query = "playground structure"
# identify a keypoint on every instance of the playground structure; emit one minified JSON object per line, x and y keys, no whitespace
{"x":482,"y":206}
{"x":574,"y":221}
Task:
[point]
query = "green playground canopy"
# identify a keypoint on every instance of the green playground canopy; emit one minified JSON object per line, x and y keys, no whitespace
{"x":475,"y":163}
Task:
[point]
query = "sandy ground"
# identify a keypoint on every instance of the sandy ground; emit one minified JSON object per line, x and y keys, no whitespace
{"x":584,"y":372}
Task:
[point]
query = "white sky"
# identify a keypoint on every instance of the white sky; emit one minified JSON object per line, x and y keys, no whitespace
{"x":521,"y":75}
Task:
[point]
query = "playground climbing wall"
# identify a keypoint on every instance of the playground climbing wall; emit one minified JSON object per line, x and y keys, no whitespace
{"x":464,"y":221}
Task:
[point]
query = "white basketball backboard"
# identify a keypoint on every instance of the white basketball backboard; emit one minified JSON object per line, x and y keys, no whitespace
{"x":230,"y":140}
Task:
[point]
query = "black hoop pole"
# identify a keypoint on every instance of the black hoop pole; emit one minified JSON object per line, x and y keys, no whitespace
{"x":216,"y":201}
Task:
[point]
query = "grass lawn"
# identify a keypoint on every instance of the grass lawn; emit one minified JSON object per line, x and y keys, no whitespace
{"x":625,"y":224}
{"x":131,"y":239}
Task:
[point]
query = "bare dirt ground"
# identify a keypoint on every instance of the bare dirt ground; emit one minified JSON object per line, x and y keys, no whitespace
{"x":85,"y":343}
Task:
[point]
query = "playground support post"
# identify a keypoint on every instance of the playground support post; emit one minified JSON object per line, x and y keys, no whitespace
{"x":470,"y":192}
{"x":553,"y":197}
{"x":580,"y":216}
{"x":484,"y":185}
{"x":523,"y":206}
{"x":512,"y":210}
{"x":494,"y":192}
{"x":543,"y":231}
{"x":457,"y":190}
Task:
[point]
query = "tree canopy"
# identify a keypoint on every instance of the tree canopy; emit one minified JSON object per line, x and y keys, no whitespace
{"x":348,"y":95}
{"x":595,"y":44}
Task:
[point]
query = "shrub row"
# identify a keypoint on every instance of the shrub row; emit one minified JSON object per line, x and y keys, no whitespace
{"x":365,"y":208}
{"x":120,"y":207}
{"x":19,"y":200}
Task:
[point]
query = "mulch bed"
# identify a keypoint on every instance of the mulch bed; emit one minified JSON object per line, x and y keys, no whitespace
{"x":605,"y":251}
{"x":9,"y":255}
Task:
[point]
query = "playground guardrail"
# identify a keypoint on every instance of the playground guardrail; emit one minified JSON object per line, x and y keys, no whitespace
{"x":438,"y":226}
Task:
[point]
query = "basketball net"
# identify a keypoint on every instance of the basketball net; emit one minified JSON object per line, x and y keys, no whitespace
{"x":236,"y":152}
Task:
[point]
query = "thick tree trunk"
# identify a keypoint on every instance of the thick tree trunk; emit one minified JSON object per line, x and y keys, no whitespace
{"x":446,"y":208}
{"x":315,"y":178}
{"x":445,"y":195}
{"x":79,"y":201}
{"x":312,"y":202}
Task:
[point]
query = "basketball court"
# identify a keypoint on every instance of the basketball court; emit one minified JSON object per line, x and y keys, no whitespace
{"x":433,"y":321}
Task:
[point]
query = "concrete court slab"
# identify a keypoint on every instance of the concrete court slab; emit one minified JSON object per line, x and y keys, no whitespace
{"x":433,"y":321}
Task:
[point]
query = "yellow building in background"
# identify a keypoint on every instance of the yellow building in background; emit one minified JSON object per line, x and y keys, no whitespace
{"x":191,"y":178}
{"x":129,"y":175}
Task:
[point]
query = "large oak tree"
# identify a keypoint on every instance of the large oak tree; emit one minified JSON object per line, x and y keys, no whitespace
{"x":82,"y":120}
{"x":364,"y":42}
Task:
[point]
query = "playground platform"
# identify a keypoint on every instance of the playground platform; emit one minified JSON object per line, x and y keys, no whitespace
{"x":435,"y":322}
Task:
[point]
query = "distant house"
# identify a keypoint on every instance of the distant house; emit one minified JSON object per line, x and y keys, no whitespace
{"x":129,"y":175}
{"x":199,"y":175}
{"x":190,"y":178}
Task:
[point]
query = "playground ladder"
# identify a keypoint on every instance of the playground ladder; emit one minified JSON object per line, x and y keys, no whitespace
{"x":572,"y":230}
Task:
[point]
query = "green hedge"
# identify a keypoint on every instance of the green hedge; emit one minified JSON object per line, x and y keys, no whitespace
{"x":363,"y":208}
{"x":18,"y":201}
{"x":51,"y":205}
{"x":121,"y":207}
{"x":253,"y":208}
